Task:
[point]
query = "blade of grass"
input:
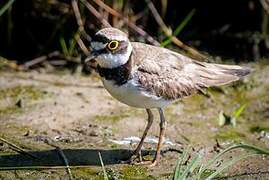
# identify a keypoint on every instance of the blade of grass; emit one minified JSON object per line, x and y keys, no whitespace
{"x":103,"y":166}
{"x":228,"y":164}
{"x":239,"y":111}
{"x":164,"y":7}
{"x":17,"y":148}
{"x":6,"y":6}
{"x":196,"y":163}
{"x":64,"y":46}
{"x":178,"y":172}
{"x":236,"y":114}
{"x":244,"y":146}
{"x":62,"y":155}
{"x":191,"y":166}
{"x":72,"y":44}
{"x":180,"y":27}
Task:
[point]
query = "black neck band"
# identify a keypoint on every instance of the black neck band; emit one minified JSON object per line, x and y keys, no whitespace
{"x":120,"y":75}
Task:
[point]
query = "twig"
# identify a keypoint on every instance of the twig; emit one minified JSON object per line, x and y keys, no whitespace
{"x":78,"y":16}
{"x":265,"y":22}
{"x":10,"y":64}
{"x":81,"y":45}
{"x":168,"y":33}
{"x":81,"y":29}
{"x":62,"y":155}
{"x":126,"y":20}
{"x":39,"y":60}
{"x":35,"y":61}
{"x":17,"y":148}
{"x":96,"y":13}
{"x":44,"y":58}
{"x":158,"y":18}
{"x":265,"y":5}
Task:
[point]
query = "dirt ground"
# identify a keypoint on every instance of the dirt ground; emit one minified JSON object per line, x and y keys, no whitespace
{"x":75,"y":113}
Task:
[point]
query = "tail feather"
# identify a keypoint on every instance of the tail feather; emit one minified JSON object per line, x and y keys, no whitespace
{"x":217,"y":74}
{"x":234,"y":70}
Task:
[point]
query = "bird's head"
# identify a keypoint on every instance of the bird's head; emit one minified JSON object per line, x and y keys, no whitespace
{"x":110,"y":47}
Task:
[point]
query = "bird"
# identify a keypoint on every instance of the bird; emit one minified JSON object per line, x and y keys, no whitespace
{"x":151,"y":77}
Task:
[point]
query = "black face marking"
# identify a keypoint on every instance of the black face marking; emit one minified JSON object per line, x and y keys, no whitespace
{"x":101,"y":51}
{"x":100,"y":38}
{"x":120,"y":75}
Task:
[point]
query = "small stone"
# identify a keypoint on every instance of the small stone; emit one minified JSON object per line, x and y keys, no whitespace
{"x":27,"y":133}
{"x":93,"y":133}
{"x":19,"y":103}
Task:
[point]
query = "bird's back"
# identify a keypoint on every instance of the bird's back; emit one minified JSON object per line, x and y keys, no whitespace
{"x":171,"y":75}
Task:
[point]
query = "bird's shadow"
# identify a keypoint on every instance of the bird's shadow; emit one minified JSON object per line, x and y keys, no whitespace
{"x":75,"y":157}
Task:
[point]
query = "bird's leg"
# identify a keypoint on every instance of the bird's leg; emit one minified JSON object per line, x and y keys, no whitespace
{"x":161,"y":138}
{"x":160,"y":142}
{"x":137,"y":151}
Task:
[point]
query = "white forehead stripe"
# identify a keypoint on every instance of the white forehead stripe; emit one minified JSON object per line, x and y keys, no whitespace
{"x":118,"y":37}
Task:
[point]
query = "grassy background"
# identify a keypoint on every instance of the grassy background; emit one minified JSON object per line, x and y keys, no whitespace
{"x":230,"y":29}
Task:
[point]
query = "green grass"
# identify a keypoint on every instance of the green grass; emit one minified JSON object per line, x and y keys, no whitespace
{"x":225,"y":119}
{"x":196,"y":170}
{"x":6,"y":6}
{"x":258,"y":129}
{"x":179,"y":28}
{"x":13,"y":100}
{"x":16,"y":92}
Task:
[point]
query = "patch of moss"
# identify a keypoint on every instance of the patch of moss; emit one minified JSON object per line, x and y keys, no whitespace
{"x":15,"y":133}
{"x":114,"y":146}
{"x":135,"y":172}
{"x":258,"y":129}
{"x":85,"y":173}
{"x":13,"y":128}
{"x":194,"y":103}
{"x":230,"y":135}
{"x":16,"y":96}
{"x":29,"y":92}
{"x":111,"y":174}
{"x":10,"y":110}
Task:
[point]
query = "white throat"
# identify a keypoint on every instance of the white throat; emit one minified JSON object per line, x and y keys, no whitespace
{"x":110,"y":60}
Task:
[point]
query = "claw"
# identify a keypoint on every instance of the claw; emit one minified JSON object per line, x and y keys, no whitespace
{"x":137,"y":159}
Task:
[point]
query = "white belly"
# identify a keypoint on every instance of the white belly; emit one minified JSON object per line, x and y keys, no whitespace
{"x":132,"y":95}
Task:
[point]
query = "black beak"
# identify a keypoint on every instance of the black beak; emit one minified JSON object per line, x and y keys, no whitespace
{"x":93,"y":55}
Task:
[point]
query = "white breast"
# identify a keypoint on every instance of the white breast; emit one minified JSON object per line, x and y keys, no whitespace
{"x":131,"y":94}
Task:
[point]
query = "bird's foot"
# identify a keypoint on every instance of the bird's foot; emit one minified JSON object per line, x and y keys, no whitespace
{"x":148,"y":163}
{"x":137,"y":159}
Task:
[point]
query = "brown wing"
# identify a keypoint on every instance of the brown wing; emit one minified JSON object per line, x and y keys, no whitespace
{"x":172,"y":75}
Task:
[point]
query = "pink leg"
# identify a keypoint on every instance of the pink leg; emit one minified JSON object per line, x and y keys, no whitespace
{"x":137,"y":151}
{"x":161,"y":138}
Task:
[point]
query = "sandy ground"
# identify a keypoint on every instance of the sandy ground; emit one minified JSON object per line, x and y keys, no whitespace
{"x":76,"y":113}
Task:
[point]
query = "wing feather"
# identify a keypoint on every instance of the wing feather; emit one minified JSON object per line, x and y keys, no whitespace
{"x":171,"y":75}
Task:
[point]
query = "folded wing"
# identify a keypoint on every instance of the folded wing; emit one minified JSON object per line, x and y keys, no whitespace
{"x":171,"y":75}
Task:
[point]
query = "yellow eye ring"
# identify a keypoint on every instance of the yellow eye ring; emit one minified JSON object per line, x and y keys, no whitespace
{"x":113,"y":45}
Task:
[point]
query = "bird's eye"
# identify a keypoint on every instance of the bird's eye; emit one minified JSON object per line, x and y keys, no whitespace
{"x":113,"y":45}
